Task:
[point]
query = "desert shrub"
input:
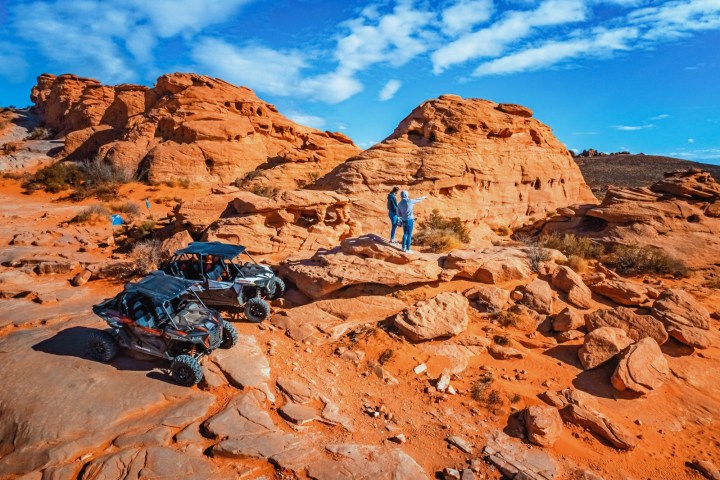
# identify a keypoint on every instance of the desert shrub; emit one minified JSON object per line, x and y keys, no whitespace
{"x":503,"y":231}
{"x":501,"y":340}
{"x":9,"y":148}
{"x":506,"y":318}
{"x":493,"y":399}
{"x":146,"y":256}
{"x":144,"y":229}
{"x":536,"y":252}
{"x":55,"y":178}
{"x":385,"y":356}
{"x":13,"y":175}
{"x":570,"y":244}
{"x":40,"y":133}
{"x":129,"y":208}
{"x":442,"y":234}
{"x":89,"y":213}
{"x":480,"y":386}
{"x":578,"y":264}
{"x":263,"y":190}
{"x":644,"y":260}
{"x":98,"y":172}
{"x":309,"y":179}
{"x":515,"y":398}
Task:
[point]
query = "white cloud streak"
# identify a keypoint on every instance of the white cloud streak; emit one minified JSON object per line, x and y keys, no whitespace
{"x":465,"y":14}
{"x":632,"y":128}
{"x":389,"y":90}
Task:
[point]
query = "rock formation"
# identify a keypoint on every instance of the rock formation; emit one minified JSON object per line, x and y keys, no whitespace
{"x":601,"y":345}
{"x":679,"y":215}
{"x":642,"y":367}
{"x":476,"y":159}
{"x":442,"y":316}
{"x":685,"y":319}
{"x":187,"y":126}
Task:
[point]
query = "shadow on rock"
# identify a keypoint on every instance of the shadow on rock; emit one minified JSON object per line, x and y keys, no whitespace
{"x":673,"y":348}
{"x":566,"y":354}
{"x":72,"y":342}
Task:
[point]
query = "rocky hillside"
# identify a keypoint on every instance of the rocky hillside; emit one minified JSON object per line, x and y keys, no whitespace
{"x":478,"y":160}
{"x":628,"y":170}
{"x":186,"y":127}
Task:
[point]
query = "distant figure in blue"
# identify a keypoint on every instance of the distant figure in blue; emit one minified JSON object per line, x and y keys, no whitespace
{"x":392,"y":212}
{"x":405,"y":212}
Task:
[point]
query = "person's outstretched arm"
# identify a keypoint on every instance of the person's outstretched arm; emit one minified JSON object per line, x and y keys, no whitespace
{"x":418,"y":200}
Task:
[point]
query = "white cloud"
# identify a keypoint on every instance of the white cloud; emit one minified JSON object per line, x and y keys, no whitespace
{"x":602,"y":42}
{"x":389,"y":90}
{"x":513,"y":27}
{"x":632,"y":128}
{"x":465,"y":14}
{"x":699,"y":154}
{"x":691,"y":140}
{"x":677,"y":19}
{"x":662,"y":116}
{"x":305,"y":119}
{"x":13,"y":66}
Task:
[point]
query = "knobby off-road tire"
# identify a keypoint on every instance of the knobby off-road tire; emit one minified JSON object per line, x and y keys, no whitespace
{"x":186,"y":370}
{"x":257,"y":310}
{"x":276,"y":288}
{"x":230,"y":335}
{"x":102,"y":346}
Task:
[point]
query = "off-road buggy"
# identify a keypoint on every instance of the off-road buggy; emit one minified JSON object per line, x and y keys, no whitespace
{"x":223,"y":280}
{"x":155,"y":316}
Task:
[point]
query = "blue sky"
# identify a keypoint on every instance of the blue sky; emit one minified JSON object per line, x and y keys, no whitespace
{"x":635,"y":75}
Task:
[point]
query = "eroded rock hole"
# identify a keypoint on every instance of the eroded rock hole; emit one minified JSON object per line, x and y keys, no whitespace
{"x":537,"y":184}
{"x":693,"y":219}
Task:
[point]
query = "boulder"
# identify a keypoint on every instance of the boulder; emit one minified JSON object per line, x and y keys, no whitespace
{"x":635,"y":326}
{"x":543,"y":425}
{"x":642,"y":367}
{"x":365,"y":461}
{"x":685,"y":319}
{"x":504,"y":353}
{"x":489,"y":298}
{"x":174,"y":243}
{"x":538,"y":296}
{"x":442,"y":316}
{"x":492,"y":265}
{"x":245,"y":365}
{"x":621,"y":292}
{"x":568,"y":281}
{"x":567,"y":319}
{"x":601,"y":345}
{"x":81,"y":278}
{"x":328,"y":271}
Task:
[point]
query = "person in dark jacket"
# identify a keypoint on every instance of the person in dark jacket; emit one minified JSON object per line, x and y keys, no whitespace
{"x":392,"y":212}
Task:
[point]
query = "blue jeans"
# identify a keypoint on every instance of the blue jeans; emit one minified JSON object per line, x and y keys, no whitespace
{"x":407,"y":233}
{"x":393,"y":222}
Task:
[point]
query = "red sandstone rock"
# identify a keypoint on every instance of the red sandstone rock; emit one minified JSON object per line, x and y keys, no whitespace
{"x":570,"y":282}
{"x":642,"y":367}
{"x":635,"y":326}
{"x":186,"y":126}
{"x":685,"y":319}
{"x":601,"y":345}
{"x":543,"y":424}
{"x":442,"y":316}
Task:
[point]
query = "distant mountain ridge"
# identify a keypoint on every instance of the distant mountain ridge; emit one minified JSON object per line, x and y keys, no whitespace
{"x":631,"y":170}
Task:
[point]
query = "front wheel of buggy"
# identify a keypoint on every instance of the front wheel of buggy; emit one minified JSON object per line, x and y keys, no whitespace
{"x":230,"y":335}
{"x":102,"y":346}
{"x":276,"y":288}
{"x":186,"y":370}
{"x":257,"y":310}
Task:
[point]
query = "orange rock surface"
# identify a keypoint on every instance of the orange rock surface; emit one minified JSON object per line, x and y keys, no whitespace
{"x":187,"y":126}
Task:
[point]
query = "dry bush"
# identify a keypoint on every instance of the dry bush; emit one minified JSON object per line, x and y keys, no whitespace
{"x":146,"y":256}
{"x":129,"y":208}
{"x":40,"y":133}
{"x":506,"y":318}
{"x":515,"y":398}
{"x":91,"y":213}
{"x":55,"y":178}
{"x":263,"y":190}
{"x":501,"y":340}
{"x":503,"y":231}
{"x":99,"y":172}
{"x":477,"y":391}
{"x":493,"y":399}
{"x":442,"y":234}
{"x":386,"y":356}
{"x":644,"y":260}
{"x":578,"y":264}
{"x":309,"y":179}
{"x":8,"y":148}
{"x":535,"y":252}
{"x":570,"y":244}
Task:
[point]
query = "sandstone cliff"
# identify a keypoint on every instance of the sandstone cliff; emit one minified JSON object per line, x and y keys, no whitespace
{"x":187,"y":126}
{"x":475,"y":159}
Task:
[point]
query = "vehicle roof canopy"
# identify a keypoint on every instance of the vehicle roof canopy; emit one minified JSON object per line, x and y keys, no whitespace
{"x":218,"y":249}
{"x":159,"y":287}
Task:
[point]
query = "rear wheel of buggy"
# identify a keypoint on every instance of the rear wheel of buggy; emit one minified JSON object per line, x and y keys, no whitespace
{"x":102,"y":346}
{"x":257,"y":310}
{"x":186,"y":370}
{"x":230,"y":335}
{"x":276,"y":288}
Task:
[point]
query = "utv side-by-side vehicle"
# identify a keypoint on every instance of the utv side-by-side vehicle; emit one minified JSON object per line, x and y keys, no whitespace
{"x":161,"y":316}
{"x":223,"y":280}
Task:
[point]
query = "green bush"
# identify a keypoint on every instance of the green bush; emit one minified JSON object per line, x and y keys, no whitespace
{"x":442,"y":234}
{"x":644,"y":260}
{"x":55,"y":178}
{"x":570,"y":244}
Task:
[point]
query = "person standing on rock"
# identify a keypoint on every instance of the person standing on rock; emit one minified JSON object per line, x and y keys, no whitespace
{"x":405,"y":212}
{"x":392,"y":212}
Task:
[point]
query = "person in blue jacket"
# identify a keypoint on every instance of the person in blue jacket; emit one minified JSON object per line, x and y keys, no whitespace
{"x":405,"y":212}
{"x":392,"y":212}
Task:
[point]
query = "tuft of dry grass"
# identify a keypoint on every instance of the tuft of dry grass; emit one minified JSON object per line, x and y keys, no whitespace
{"x":578,"y":264}
{"x":91,"y":213}
{"x":501,"y":340}
{"x":146,"y":256}
{"x":386,"y":356}
{"x":263,"y":190}
{"x":494,"y":399}
{"x":570,"y":244}
{"x":40,"y":133}
{"x":506,"y":318}
{"x":129,"y":208}
{"x":477,"y":391}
